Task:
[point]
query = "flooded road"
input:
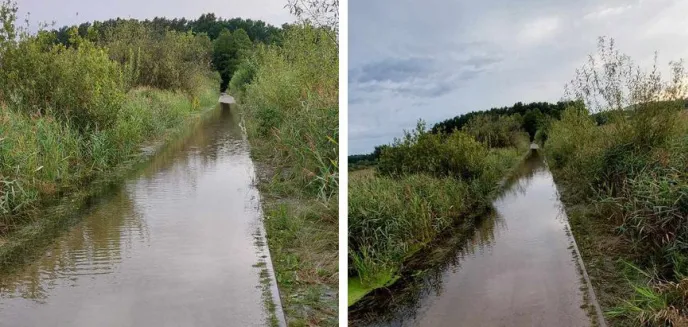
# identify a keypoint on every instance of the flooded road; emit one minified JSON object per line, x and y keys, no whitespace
{"x":181,"y":243}
{"x":517,"y":269}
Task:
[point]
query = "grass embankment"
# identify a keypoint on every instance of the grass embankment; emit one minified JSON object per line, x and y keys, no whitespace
{"x":75,"y":116}
{"x":625,"y":185}
{"x":424,"y":184}
{"x":289,"y":99}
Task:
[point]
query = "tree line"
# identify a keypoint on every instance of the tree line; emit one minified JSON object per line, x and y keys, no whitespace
{"x":233,"y":39}
{"x":529,"y":117}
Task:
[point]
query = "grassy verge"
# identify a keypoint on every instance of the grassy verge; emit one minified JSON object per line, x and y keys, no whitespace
{"x":289,"y":101}
{"x":624,"y":180}
{"x":47,"y":214}
{"x":604,"y":252}
{"x":423,"y":186}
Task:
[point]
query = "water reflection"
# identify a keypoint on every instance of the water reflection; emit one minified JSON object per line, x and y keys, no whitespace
{"x":174,"y":245}
{"x":93,"y":247}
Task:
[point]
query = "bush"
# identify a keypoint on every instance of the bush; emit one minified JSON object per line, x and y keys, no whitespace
{"x":457,"y":155}
{"x":243,"y":76}
{"x":633,"y":170}
{"x":292,"y":104}
{"x":497,"y":131}
{"x":162,"y":59}
{"x":67,"y":117}
{"x":79,"y":86}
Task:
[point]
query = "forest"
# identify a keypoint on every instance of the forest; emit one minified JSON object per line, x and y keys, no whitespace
{"x":529,"y":117}
{"x":232,"y":38}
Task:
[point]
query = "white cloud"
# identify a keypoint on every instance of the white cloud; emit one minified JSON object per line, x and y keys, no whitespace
{"x":539,"y":29}
{"x":606,"y":12}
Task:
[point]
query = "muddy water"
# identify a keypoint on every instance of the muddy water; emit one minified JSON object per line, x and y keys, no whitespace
{"x":179,"y":244}
{"x":517,"y":269}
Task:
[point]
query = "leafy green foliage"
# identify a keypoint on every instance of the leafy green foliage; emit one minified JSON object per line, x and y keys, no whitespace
{"x":459,"y":155}
{"x":229,"y":50}
{"x":80,"y":86}
{"x":70,"y":114}
{"x":633,"y":170}
{"x":289,"y":98}
{"x":424,"y":184}
{"x":166,"y":60}
{"x":293,"y":103}
{"x":208,"y":24}
{"x":243,"y":76}
{"x":496,"y":131}
{"x":545,"y":108}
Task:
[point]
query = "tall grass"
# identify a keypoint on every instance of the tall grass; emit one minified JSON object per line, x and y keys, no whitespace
{"x":292,"y":103}
{"x":633,"y":171}
{"x":289,"y":99}
{"x":70,"y":114}
{"x":424,"y":185}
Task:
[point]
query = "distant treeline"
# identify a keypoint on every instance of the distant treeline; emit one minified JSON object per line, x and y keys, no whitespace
{"x":232,"y":38}
{"x":531,"y":117}
{"x":531,"y":113}
{"x":257,"y":30}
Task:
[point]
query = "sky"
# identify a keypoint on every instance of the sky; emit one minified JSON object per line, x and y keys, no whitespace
{"x":436,"y":59}
{"x":69,"y":12}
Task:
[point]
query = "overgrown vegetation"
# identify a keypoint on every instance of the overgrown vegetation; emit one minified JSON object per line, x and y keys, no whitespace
{"x":631,"y":177}
{"x":495,"y":126}
{"x":289,"y":98}
{"x":424,"y":184}
{"x":72,"y":113}
{"x":232,"y":39}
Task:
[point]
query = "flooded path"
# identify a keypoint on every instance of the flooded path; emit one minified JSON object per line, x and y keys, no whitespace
{"x":517,"y":269}
{"x":181,"y":243}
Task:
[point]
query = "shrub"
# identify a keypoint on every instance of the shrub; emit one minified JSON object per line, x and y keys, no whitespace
{"x":162,"y":59}
{"x":292,"y":104}
{"x":497,"y":131}
{"x":458,"y":155}
{"x":80,"y":86}
{"x":243,"y":76}
{"x":633,"y":169}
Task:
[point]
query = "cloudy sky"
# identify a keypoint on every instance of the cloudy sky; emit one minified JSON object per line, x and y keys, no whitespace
{"x":435,"y":59}
{"x":68,"y":12}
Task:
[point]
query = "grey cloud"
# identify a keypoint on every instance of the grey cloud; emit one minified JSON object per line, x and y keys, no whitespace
{"x":436,"y":59}
{"x":414,"y":76}
{"x":393,"y":69}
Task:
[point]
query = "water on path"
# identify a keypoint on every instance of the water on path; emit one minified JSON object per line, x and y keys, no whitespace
{"x":181,"y":243}
{"x":518,"y":269}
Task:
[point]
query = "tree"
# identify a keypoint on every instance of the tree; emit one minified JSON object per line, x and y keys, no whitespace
{"x":242,"y":44}
{"x":229,"y":49}
{"x":531,"y":122}
{"x":222,"y":50}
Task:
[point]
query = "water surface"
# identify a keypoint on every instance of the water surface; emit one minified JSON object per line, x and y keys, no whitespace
{"x":181,"y":243}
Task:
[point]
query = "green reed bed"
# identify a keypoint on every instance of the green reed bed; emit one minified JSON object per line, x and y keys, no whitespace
{"x":289,"y":99}
{"x":626,"y":182}
{"x":424,"y":185}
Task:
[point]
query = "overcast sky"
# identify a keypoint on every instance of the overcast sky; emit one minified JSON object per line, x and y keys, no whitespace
{"x":64,"y":12}
{"x":435,"y":59}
